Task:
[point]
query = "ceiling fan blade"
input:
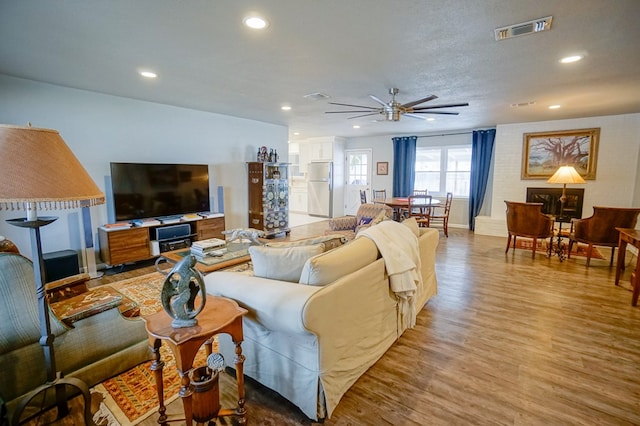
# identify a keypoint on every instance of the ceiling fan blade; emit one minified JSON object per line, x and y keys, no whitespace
{"x":434,"y":112}
{"x":441,"y":106}
{"x":378,"y":100}
{"x":351,"y":112}
{"x":419,"y":101}
{"x":364,"y":115}
{"x":413,"y":116}
{"x":355,"y":106}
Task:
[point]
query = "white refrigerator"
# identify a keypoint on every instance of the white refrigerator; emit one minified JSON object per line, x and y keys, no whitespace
{"x":320,"y":188}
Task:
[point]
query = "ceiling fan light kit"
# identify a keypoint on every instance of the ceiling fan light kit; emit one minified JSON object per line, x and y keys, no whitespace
{"x":393,"y":110}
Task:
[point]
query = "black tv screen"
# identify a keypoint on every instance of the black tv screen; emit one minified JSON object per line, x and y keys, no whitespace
{"x":143,"y":190}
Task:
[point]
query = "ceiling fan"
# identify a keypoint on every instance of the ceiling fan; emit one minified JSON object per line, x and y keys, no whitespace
{"x":393,"y":109}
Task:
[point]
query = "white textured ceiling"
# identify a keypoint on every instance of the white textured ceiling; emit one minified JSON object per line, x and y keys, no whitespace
{"x":207,"y":60}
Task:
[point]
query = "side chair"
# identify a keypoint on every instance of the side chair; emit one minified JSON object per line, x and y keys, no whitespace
{"x":600,"y":228}
{"x":379,"y":195}
{"x":527,"y":220}
{"x":420,"y":208}
{"x":440,"y":214}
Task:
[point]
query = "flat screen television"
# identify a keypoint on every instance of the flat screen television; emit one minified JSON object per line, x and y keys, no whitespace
{"x":144,"y":190}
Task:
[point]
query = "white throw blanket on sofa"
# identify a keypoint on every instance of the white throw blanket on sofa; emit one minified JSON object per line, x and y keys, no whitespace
{"x":398,"y":246}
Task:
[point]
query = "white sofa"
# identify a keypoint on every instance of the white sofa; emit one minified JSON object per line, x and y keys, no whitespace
{"x":310,"y":343}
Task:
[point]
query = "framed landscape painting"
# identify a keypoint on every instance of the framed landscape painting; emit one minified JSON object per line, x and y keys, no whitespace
{"x":544,"y":152}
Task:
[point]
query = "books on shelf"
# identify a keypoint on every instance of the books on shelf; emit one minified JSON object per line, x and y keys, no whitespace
{"x":191,"y":216}
{"x":169,"y":219}
{"x":209,"y":215}
{"x":145,"y":222}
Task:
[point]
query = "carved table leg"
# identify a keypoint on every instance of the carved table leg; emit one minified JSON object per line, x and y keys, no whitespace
{"x":156,"y":366}
{"x":185,"y":393}
{"x":239,"y":362}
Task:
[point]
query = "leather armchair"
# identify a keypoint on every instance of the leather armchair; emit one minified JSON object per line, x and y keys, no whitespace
{"x":93,"y":340}
{"x":527,"y":220}
{"x":600,"y":228}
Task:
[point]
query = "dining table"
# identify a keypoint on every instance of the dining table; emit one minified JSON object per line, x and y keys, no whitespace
{"x":402,"y":203}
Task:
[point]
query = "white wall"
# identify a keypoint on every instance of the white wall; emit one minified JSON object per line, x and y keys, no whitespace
{"x":382,"y":148}
{"x":100,"y":129}
{"x":616,"y":173}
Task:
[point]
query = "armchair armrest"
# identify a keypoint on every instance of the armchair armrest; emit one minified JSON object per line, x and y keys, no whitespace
{"x":66,"y":287}
{"x":277,"y":305}
{"x":343,"y":223}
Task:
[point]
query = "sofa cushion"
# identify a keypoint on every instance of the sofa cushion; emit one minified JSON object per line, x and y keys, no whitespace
{"x":412,"y":223}
{"x":282,"y":263}
{"x":327,"y":267}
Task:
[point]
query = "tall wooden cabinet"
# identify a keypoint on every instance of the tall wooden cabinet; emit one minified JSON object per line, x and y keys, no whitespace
{"x":269,"y":197}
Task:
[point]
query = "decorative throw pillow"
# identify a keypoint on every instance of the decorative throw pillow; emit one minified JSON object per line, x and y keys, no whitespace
{"x":284,"y":263}
{"x":330,"y":242}
{"x":365,"y":221}
{"x":413,"y":225}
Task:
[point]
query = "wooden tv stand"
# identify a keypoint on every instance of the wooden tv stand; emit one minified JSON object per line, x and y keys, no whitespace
{"x":118,"y":246}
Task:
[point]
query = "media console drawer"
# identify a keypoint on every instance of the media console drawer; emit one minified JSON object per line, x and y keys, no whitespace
{"x":125,"y":245}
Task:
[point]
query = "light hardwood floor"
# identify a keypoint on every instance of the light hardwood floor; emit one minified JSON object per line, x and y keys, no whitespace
{"x":508,"y":340}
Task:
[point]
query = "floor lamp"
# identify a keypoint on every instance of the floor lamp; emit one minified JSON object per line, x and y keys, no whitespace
{"x":564,"y":175}
{"x":39,"y":171}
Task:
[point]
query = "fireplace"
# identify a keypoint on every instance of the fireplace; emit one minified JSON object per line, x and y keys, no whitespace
{"x":550,"y":199}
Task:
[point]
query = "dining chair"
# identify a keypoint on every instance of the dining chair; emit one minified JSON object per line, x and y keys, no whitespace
{"x":363,"y":196}
{"x":420,"y":208}
{"x":600,"y":228}
{"x":379,"y":195}
{"x":527,"y":220}
{"x":440,"y":214}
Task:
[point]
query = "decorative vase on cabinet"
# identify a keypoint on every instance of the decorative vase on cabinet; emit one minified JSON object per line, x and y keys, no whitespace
{"x":269,"y":197}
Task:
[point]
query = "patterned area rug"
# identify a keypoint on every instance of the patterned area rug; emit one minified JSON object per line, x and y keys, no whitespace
{"x":130,"y":397}
{"x":578,"y":249}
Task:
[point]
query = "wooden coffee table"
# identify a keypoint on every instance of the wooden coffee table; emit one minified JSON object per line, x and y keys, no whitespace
{"x":208,"y":263}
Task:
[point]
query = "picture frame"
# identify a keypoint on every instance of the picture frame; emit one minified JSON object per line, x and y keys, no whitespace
{"x":544,"y":152}
{"x":382,"y":167}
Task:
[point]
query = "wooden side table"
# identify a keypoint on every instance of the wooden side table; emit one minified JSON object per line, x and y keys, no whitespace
{"x":629,"y":236}
{"x":220,"y":315}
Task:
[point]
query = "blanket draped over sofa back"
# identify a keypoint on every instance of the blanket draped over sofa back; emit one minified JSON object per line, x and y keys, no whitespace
{"x":398,"y":246}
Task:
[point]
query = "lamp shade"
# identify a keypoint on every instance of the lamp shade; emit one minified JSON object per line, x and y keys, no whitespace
{"x":566,"y":174}
{"x":37,"y":169}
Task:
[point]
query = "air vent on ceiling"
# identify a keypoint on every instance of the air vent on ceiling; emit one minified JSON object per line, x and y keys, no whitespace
{"x":524,"y":28}
{"x":317,"y":96}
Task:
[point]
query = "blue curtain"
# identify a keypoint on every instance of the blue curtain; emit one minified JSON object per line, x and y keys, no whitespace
{"x":404,"y":165}
{"x":481,"y":152}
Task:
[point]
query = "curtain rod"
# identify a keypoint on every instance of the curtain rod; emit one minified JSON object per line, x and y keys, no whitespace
{"x":446,"y":134}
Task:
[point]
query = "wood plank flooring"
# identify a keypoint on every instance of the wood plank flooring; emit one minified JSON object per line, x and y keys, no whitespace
{"x":508,"y":340}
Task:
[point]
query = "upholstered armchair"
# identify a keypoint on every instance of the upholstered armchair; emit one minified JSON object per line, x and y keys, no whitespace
{"x":350,"y":225}
{"x":93,"y":340}
{"x":527,"y":220}
{"x":600,"y":228}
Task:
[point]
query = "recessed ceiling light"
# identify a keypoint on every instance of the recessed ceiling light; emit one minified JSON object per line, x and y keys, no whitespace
{"x":356,"y":126}
{"x":148,"y":74}
{"x":285,"y":108}
{"x":431,"y":119}
{"x":256,"y":22}
{"x":296,"y":133}
{"x":554,"y":106}
{"x":570,"y":59}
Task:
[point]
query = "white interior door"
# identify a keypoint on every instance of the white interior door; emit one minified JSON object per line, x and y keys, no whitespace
{"x":357,"y":177}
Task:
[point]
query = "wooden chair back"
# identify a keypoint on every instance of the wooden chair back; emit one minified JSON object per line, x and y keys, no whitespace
{"x":527,"y":220}
{"x":420,"y":208}
{"x":600,"y":228}
{"x":379,"y":195}
{"x":363,"y":196}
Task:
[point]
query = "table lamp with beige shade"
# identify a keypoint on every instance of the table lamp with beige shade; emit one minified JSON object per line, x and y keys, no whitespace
{"x":38,"y":171}
{"x":565,"y":175}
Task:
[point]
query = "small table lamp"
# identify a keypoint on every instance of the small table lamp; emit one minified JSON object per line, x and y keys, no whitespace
{"x":565,"y":175}
{"x":39,"y":171}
